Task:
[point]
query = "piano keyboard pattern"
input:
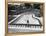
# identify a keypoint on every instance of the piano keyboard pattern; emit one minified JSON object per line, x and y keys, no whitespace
{"x":24,"y":28}
{"x":27,"y":25}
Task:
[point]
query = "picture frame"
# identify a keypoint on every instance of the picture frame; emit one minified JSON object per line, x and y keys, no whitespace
{"x":6,"y":18}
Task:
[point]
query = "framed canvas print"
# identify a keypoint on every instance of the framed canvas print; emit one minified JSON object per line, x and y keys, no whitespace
{"x":24,"y":17}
